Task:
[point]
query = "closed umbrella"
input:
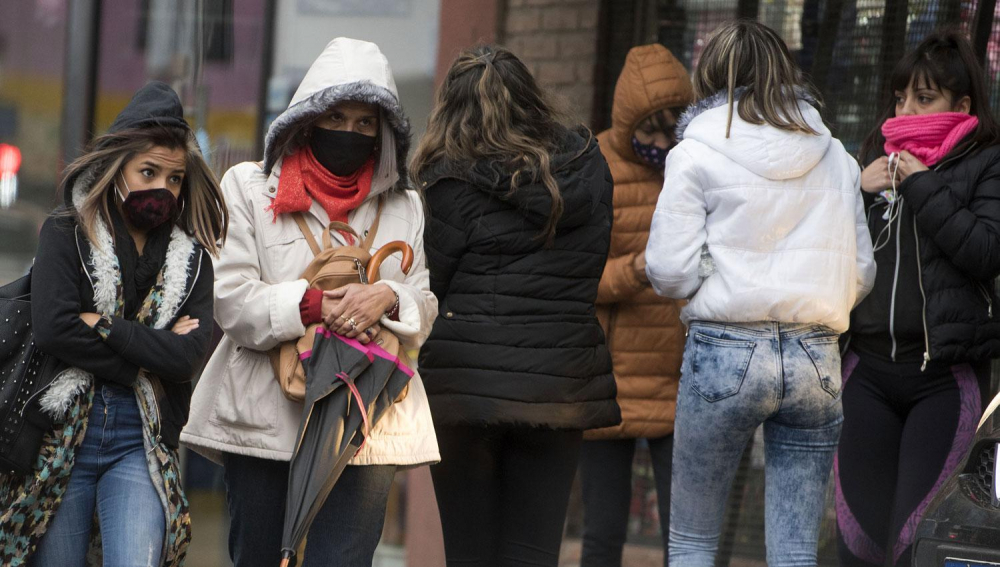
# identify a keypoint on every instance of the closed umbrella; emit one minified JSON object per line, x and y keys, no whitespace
{"x":349,"y":387}
{"x":323,"y":448}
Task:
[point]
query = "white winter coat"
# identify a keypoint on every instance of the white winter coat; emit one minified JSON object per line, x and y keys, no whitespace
{"x":781,"y":215}
{"x":238,"y":406}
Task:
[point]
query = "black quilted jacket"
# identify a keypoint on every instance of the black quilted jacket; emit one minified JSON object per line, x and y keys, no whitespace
{"x":949,"y":242}
{"x":517,"y":340}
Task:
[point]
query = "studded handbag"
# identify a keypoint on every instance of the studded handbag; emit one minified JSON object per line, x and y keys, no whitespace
{"x":25,"y":372}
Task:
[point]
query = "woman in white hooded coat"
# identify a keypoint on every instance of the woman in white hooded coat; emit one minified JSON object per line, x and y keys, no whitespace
{"x":342,"y":146}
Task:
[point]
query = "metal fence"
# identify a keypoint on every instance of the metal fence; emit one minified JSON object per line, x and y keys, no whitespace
{"x":847,"y":48}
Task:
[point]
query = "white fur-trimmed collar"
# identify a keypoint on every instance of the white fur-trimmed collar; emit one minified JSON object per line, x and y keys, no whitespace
{"x":175,"y":276}
{"x":106,"y":278}
{"x":106,"y":271}
{"x":102,"y":253}
{"x":720,"y":98}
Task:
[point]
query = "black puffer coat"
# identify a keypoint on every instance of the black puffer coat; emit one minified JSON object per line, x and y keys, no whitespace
{"x":951,"y":224}
{"x":517,"y":340}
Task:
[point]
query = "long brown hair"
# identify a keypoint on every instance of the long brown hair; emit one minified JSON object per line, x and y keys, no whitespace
{"x":944,"y":60}
{"x":491,"y":108}
{"x":204,"y":215}
{"x":749,"y":55}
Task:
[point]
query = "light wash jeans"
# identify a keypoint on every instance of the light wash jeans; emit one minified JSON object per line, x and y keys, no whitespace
{"x":111,"y":475}
{"x":735,"y":378}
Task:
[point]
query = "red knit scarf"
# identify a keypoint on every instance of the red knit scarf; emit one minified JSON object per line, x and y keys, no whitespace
{"x":304,"y":179}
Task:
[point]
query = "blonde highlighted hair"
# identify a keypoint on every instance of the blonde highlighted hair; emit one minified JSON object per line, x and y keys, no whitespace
{"x":203,"y":208}
{"x":751,"y":57}
{"x":490,"y":108}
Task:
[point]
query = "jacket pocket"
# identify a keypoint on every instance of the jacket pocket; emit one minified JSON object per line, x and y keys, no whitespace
{"x":248,"y":396}
{"x":824,"y":353}
{"x":718,"y":366}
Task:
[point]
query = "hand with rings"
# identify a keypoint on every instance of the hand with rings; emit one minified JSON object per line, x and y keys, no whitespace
{"x":359,"y":310}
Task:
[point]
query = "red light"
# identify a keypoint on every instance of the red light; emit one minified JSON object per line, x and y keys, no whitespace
{"x":10,"y":160}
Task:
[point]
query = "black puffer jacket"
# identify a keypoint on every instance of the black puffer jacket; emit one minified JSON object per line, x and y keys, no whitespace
{"x":951,"y":231}
{"x":517,"y":340}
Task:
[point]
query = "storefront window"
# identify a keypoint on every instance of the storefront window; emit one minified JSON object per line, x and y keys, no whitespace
{"x":210,"y":51}
{"x":31,"y":93}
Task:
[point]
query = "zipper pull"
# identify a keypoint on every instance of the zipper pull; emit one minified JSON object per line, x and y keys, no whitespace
{"x":361,"y":271}
{"x":927,"y":358}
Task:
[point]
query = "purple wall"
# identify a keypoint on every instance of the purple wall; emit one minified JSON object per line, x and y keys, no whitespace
{"x":33,"y":37}
{"x":122,"y":66}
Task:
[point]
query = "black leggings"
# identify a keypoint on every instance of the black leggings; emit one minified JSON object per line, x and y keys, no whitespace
{"x":606,"y":478}
{"x":905,"y":431}
{"x":503,"y":492}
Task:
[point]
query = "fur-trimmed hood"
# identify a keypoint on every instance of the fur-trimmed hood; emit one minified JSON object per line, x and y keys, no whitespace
{"x":761,"y":148}
{"x":347,"y":70}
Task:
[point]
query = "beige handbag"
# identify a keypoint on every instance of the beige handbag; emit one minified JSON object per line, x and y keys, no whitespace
{"x":332,"y":268}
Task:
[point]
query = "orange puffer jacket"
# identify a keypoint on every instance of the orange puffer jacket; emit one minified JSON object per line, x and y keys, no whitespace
{"x":644,"y":331}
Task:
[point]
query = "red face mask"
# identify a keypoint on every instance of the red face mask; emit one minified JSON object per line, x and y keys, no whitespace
{"x":148,"y":209}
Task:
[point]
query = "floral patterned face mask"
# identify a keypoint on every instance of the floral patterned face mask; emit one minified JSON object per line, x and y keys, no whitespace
{"x":660,"y":126}
{"x":650,"y":153}
{"x":148,"y":209}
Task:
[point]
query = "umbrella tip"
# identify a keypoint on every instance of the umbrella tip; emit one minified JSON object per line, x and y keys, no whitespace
{"x":286,"y":562}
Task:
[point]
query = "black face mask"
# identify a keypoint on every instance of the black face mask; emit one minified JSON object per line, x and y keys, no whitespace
{"x":341,"y":152}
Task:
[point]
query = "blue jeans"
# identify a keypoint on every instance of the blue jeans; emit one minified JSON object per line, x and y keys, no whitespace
{"x":110,"y":475}
{"x":345,"y":532}
{"x":735,"y":378}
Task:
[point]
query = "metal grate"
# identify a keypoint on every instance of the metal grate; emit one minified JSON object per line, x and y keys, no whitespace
{"x":847,"y":47}
{"x":984,"y":471}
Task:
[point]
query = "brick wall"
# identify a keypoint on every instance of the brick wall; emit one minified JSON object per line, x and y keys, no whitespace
{"x":557,"y":40}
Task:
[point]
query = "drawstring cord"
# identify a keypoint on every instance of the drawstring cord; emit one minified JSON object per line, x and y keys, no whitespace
{"x":361,"y":405}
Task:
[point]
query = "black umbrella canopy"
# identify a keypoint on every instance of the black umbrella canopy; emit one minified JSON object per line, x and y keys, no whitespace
{"x":349,"y":386}
{"x":322,"y":451}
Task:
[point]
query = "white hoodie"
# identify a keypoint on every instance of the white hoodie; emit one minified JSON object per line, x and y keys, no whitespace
{"x":781,"y":215}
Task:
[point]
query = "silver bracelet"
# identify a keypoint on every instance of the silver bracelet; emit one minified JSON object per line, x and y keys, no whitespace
{"x":394,"y":310}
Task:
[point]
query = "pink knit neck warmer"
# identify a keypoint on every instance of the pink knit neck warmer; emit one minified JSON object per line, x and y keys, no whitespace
{"x":929,"y":137}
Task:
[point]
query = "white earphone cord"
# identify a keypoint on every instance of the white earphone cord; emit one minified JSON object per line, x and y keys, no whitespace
{"x":894,"y":206}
